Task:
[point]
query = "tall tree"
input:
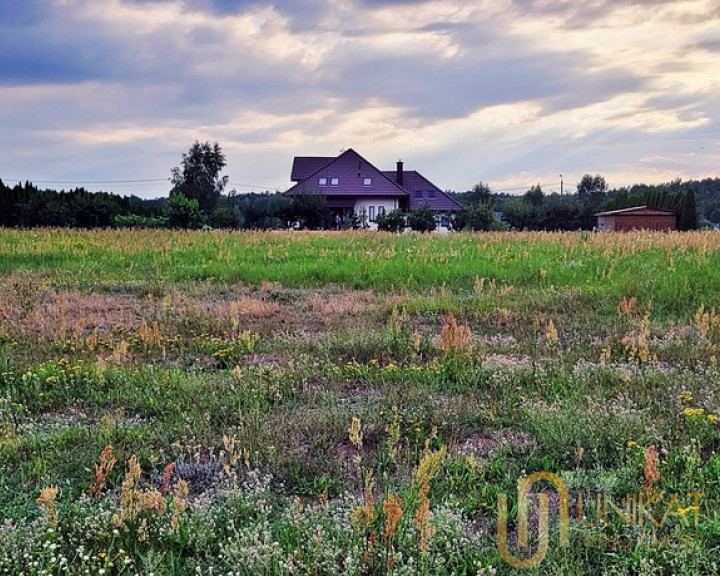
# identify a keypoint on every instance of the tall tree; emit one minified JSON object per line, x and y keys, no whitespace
{"x":534,"y":196}
{"x":591,"y":186}
{"x":480,"y":193}
{"x":688,"y":211}
{"x":199,"y":178}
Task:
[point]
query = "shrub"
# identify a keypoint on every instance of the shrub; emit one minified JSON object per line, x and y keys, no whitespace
{"x":393,"y":221}
{"x":477,"y":217}
{"x":422,"y":219}
{"x":184,"y":212}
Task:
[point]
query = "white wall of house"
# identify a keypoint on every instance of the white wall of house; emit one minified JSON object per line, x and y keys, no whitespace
{"x":371,"y":208}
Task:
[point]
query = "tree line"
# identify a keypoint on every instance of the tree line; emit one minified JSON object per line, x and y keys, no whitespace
{"x":697,"y":204}
{"x":199,"y":197}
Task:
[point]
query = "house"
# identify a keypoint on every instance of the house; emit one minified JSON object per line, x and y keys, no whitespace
{"x":352,"y":185}
{"x":638,"y":217}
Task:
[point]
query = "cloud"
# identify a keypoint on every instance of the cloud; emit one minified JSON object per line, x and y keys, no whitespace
{"x":495,"y":90}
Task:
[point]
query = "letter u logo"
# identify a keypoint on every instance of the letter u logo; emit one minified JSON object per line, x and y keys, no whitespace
{"x":524,"y":485}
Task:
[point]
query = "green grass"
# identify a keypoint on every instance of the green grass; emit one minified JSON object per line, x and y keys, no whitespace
{"x":677,"y":272}
{"x":236,"y":362}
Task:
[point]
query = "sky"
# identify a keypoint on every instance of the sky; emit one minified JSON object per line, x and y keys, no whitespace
{"x":110,"y":93}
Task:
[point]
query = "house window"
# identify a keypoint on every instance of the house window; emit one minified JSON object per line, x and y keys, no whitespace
{"x":418,"y":193}
{"x":431,"y":193}
{"x":371,"y":213}
{"x":367,"y":182}
{"x":334,"y":181}
{"x":322,"y":181}
{"x":381,"y":210}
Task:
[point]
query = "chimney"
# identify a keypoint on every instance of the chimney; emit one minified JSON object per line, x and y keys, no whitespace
{"x":399,"y":173}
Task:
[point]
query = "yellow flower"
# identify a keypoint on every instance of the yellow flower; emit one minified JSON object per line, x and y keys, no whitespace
{"x":632,"y":444}
{"x":693,"y":412}
{"x":712,"y":418}
{"x":685,"y":397}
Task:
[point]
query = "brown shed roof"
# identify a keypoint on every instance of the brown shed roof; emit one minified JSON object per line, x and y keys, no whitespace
{"x":638,"y":211}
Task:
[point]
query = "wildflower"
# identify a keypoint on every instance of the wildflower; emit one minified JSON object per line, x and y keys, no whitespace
{"x":652,"y":473}
{"x":606,"y":354}
{"x":47,"y":503}
{"x":364,"y":516}
{"x":454,"y":337}
{"x":551,"y":334}
{"x":693,"y":412}
{"x":685,"y":397}
{"x":167,"y":476}
{"x":632,"y":444}
{"x":427,"y":469}
{"x":179,"y":504}
{"x":393,"y":431}
{"x":712,"y":418}
{"x":392,"y":508}
{"x":430,"y":465}
{"x":355,"y":431}
{"x":102,"y":469}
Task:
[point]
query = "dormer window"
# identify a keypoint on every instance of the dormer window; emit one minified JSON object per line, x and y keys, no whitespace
{"x":431,"y":193}
{"x":322,"y":182}
{"x":367,"y":181}
{"x":334,"y":181}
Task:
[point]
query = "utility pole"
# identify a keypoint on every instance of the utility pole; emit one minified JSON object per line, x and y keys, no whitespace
{"x":561,"y":185}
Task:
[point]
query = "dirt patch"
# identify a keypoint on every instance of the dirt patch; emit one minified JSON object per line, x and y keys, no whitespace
{"x":490,"y":444}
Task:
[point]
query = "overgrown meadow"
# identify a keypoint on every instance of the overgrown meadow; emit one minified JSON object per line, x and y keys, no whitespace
{"x":353,"y":403}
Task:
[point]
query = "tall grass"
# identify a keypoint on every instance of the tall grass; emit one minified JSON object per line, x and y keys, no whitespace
{"x":276,"y":403}
{"x":677,"y":271}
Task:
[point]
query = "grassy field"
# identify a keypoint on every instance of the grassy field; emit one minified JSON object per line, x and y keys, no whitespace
{"x":325,"y":403}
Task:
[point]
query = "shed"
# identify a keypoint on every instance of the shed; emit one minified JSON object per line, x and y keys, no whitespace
{"x":636,"y":218}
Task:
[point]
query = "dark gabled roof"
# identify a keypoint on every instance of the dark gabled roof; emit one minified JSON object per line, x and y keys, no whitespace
{"x":639,"y":210}
{"x":305,"y":166}
{"x":417,"y":186}
{"x":350,"y":169}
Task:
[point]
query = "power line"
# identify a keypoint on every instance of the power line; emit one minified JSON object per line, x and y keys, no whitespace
{"x":254,"y":186}
{"x":520,"y":188}
{"x":134,"y":181}
{"x":89,"y":182}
